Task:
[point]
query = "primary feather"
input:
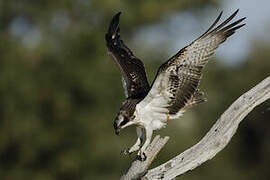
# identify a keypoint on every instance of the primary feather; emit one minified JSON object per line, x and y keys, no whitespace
{"x":132,"y":69}
{"x":177,"y":80}
{"x":175,"y":87}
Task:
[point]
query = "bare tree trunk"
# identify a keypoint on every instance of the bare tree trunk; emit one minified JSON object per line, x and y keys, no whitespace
{"x":213,"y":142}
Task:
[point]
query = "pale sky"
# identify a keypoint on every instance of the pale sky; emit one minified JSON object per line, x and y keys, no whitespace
{"x":178,"y":30}
{"x":181,"y":29}
{"x":257,"y":27}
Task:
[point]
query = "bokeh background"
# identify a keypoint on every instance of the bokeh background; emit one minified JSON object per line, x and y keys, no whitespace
{"x":60,"y":91}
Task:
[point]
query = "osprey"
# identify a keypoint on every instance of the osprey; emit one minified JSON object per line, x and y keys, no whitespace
{"x":175,"y":88}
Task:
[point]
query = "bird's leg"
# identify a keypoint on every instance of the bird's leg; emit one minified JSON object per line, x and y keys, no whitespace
{"x":141,"y":152}
{"x":136,"y":146}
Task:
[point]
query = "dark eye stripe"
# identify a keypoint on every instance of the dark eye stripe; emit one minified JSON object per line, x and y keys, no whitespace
{"x":124,"y":122}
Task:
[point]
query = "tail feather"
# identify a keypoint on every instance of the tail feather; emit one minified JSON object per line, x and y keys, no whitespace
{"x":196,"y":99}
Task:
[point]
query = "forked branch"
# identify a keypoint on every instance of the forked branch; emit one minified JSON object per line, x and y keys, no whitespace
{"x":213,"y":142}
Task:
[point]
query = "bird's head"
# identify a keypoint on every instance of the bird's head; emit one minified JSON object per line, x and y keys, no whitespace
{"x":121,"y":121}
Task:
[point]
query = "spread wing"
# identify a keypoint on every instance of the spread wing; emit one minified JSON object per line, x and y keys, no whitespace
{"x":132,"y":69}
{"x":177,"y":80}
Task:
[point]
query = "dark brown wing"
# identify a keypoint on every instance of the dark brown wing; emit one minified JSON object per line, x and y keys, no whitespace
{"x":177,"y":80}
{"x":132,"y":69}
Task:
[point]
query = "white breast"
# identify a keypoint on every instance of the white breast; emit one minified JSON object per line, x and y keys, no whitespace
{"x":154,"y":117}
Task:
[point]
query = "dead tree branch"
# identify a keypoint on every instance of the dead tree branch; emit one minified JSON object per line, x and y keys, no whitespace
{"x":213,"y":142}
{"x":138,"y":168}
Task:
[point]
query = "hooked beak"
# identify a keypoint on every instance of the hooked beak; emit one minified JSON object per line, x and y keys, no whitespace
{"x":117,"y":131}
{"x":116,"y":128}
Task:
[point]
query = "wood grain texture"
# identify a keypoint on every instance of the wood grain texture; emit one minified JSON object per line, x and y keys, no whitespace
{"x":213,"y":142}
{"x":138,"y":168}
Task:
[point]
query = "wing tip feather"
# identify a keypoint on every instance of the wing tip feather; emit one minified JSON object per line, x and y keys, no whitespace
{"x":222,"y":28}
{"x":113,"y":27}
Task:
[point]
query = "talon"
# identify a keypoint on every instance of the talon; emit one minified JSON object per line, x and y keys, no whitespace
{"x":125,"y":152}
{"x":142,"y":156}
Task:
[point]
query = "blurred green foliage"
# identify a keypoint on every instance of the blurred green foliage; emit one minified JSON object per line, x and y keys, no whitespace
{"x":60,"y":91}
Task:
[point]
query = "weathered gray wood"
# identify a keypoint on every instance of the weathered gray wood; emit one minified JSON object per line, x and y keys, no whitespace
{"x":213,"y":142}
{"x":217,"y":138}
{"x":138,"y":168}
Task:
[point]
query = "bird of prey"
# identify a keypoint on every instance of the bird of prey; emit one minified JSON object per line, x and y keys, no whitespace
{"x":175,"y":87}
